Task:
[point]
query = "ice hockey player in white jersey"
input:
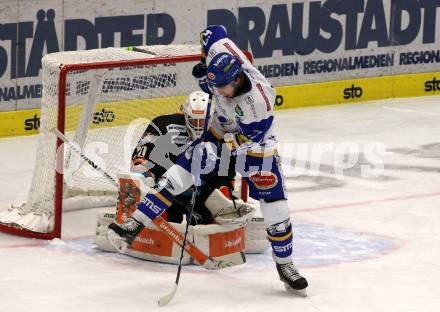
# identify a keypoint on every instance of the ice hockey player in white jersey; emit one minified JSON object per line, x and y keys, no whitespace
{"x":242,"y":123}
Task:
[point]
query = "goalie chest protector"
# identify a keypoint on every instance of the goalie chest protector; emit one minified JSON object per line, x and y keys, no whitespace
{"x":165,"y":136}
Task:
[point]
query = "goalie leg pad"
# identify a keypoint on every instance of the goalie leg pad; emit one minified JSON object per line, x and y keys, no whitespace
{"x":256,"y":236}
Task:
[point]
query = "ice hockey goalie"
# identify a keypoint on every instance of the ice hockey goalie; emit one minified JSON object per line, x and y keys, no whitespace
{"x":222,"y":224}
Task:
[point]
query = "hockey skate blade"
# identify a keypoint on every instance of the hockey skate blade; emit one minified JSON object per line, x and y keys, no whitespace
{"x":116,"y":241}
{"x":298,"y":292}
{"x":163,"y":301}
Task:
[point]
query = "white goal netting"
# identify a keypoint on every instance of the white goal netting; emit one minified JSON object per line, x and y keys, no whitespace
{"x":106,"y":111}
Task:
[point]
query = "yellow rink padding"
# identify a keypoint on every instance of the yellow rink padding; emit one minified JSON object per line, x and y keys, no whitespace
{"x":415,"y":85}
{"x":25,"y":122}
{"x":121,"y":113}
{"x":19,"y":122}
{"x":358,"y":90}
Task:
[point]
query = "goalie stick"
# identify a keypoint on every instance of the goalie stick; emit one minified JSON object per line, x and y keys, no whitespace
{"x":84,"y":157}
{"x":160,"y":222}
{"x":136,"y":49}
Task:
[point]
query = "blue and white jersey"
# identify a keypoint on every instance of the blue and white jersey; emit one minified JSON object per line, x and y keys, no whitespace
{"x":250,"y":114}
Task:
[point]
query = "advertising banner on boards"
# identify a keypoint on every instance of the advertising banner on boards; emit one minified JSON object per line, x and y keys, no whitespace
{"x":293,"y":42}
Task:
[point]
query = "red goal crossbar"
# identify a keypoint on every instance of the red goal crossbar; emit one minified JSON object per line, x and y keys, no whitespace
{"x":64,"y":71}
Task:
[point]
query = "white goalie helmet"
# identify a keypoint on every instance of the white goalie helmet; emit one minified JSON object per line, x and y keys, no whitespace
{"x":194,"y":109}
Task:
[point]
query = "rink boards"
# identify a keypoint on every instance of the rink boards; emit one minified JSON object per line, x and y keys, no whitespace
{"x":358,"y":90}
{"x":297,"y":96}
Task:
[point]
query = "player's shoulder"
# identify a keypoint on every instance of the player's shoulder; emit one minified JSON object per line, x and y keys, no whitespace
{"x":255,"y":105}
{"x":260,"y":91}
{"x":225,"y":45}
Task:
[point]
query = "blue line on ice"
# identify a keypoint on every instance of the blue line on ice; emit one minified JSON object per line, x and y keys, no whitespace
{"x":314,"y":245}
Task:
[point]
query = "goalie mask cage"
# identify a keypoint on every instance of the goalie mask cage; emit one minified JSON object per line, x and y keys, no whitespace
{"x":102,"y":100}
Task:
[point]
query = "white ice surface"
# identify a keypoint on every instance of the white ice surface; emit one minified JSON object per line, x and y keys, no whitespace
{"x":364,"y":243}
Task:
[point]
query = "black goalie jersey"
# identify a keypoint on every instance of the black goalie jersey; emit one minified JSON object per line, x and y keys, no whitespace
{"x":158,"y":149}
{"x":162,"y":142}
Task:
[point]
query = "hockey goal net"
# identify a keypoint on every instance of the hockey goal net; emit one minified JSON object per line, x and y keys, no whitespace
{"x":102,"y":100}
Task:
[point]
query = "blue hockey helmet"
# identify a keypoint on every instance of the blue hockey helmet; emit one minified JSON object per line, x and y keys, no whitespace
{"x":223,"y":70}
{"x":211,"y":35}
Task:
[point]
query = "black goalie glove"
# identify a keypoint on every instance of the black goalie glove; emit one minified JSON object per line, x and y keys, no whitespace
{"x":200,"y":70}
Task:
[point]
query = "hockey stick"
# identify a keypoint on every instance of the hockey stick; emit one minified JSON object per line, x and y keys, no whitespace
{"x":167,"y":298}
{"x":163,"y":225}
{"x":136,"y":49}
{"x":160,"y":222}
{"x":84,"y":157}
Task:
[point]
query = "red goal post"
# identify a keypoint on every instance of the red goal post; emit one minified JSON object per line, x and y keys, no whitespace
{"x":46,"y":197}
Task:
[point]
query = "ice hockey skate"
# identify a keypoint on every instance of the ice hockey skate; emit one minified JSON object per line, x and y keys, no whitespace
{"x":246,"y":155}
{"x":122,"y":235}
{"x":293,"y":281}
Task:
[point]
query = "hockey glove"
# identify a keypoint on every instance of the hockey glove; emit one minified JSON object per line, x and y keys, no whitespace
{"x":200,"y":70}
{"x":231,"y":141}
